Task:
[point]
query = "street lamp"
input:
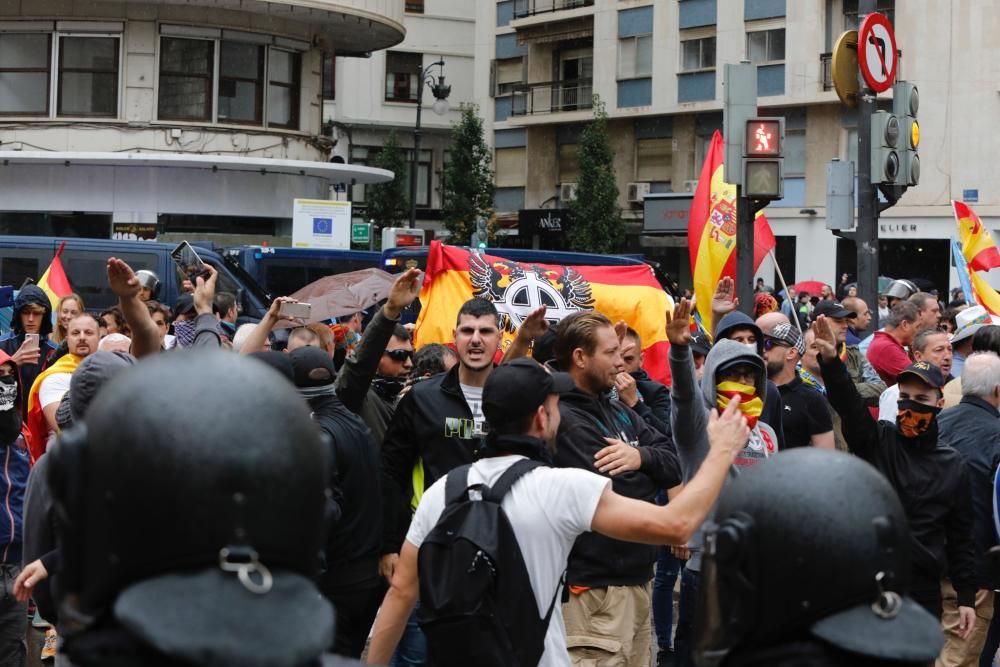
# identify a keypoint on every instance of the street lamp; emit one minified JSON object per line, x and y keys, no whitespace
{"x":441,"y":92}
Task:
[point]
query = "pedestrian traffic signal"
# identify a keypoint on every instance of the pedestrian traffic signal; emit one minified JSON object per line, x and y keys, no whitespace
{"x":764,"y":137}
{"x":763,"y":174}
{"x":906,"y":104}
{"x":481,"y":234}
{"x":886,"y":144}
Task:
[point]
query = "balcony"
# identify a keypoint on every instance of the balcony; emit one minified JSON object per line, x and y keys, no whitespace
{"x":826,"y":70}
{"x":525,"y":8}
{"x":553,"y":97}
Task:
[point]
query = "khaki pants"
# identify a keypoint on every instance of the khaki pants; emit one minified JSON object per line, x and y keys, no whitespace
{"x":609,"y":627}
{"x":958,"y":652}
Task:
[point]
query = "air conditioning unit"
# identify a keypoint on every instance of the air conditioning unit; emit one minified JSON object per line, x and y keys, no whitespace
{"x":636,"y":192}
{"x":567,"y":191}
{"x":690,"y":186}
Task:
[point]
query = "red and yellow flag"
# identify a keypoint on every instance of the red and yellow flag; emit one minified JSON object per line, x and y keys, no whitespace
{"x":712,"y":230}
{"x":629,"y":293}
{"x":54,"y":282}
{"x":980,"y":252}
{"x":986,"y":296}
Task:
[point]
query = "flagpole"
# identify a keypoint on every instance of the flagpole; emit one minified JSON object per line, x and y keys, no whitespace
{"x":784,"y":285}
{"x":59,"y":252}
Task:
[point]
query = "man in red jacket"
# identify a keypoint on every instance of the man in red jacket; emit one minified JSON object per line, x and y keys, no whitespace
{"x":887,"y":353}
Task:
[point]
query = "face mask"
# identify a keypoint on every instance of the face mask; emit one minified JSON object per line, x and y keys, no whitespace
{"x":750,"y":404}
{"x":8,"y":393}
{"x":915,"y":419}
{"x":388,"y":388}
{"x":10,"y":418}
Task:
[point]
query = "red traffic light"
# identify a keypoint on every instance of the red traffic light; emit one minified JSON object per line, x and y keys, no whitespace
{"x":763,"y":138}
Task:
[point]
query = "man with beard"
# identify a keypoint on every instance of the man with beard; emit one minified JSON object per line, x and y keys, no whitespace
{"x":32,"y":315}
{"x":805,"y":419}
{"x":13,"y":481}
{"x":49,"y":388}
{"x":929,"y":479}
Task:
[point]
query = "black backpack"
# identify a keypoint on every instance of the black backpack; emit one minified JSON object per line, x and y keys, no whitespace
{"x":477,"y":606}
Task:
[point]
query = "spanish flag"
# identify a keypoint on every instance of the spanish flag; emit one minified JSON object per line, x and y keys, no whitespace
{"x":985,"y":295}
{"x":630,"y":293}
{"x":712,"y":230}
{"x":977,"y":245}
{"x":54,"y":281}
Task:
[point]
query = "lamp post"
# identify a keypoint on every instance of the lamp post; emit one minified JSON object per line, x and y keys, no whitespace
{"x":441,"y":92}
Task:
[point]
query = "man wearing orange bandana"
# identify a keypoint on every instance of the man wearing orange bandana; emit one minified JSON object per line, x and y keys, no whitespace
{"x":930,"y":479}
{"x":731,"y":369}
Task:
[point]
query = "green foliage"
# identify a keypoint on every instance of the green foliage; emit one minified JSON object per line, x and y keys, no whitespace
{"x":388,"y":203}
{"x":467,"y":191}
{"x":597,"y":221}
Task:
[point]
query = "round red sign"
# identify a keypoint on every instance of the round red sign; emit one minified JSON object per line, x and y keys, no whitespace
{"x":877,"y":52}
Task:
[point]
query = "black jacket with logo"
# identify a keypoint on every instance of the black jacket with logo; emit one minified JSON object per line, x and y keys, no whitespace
{"x":432,"y":427}
{"x":930,"y":481}
{"x":585,"y":422}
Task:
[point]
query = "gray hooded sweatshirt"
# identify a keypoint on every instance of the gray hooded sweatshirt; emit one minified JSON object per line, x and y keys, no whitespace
{"x":690,"y":405}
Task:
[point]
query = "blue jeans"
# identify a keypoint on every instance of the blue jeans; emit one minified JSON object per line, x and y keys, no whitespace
{"x":684,"y":639}
{"x":412,"y":648}
{"x":667,"y":569}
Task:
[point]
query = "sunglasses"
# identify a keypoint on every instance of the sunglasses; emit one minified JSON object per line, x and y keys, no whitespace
{"x":399,"y":355}
{"x":771,"y":343}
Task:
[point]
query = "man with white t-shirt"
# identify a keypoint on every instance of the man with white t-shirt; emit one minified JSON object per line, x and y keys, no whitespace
{"x":550,"y":507}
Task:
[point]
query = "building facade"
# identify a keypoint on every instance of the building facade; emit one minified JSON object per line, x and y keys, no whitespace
{"x":657,"y":67}
{"x":367,"y":99}
{"x":200,"y":118}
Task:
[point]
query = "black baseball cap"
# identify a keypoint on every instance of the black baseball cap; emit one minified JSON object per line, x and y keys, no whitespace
{"x":832,"y":309}
{"x":183,"y":305}
{"x":926,"y":372}
{"x":699,"y":344}
{"x":516,"y":389}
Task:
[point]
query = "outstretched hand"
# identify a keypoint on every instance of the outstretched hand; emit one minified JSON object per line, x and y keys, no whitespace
{"x":826,"y":338}
{"x":724,"y":301}
{"x":534,"y":325}
{"x":678,"y":324}
{"x":122,"y":279}
{"x":204,"y":291}
{"x":402,"y":293}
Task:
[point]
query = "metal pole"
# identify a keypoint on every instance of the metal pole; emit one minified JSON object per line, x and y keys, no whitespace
{"x":416,"y":150}
{"x":866,"y":239}
{"x":784,"y":286}
{"x":744,"y":251}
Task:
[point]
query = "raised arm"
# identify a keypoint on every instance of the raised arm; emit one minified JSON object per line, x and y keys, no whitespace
{"x":688,"y":415}
{"x":206,"y":324}
{"x":255,"y":341}
{"x":533,"y":326}
{"x":123,"y":282}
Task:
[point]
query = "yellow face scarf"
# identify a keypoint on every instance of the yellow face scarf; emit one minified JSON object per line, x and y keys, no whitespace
{"x":751,"y":404}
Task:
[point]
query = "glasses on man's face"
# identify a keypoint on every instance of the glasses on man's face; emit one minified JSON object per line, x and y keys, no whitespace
{"x":771,"y":343}
{"x":400,"y":355}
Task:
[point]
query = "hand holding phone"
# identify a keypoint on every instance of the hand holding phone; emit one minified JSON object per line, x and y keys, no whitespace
{"x":292,"y":310}
{"x":189,"y":263}
{"x":31,"y":341}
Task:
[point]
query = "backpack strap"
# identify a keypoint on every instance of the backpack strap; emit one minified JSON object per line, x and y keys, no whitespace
{"x":509,"y":477}
{"x":456,"y":484}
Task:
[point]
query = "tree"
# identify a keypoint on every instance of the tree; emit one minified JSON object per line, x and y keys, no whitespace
{"x":388,"y":203}
{"x":467,"y":191}
{"x":597,"y":221}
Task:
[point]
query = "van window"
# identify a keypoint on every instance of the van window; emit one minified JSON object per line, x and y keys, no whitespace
{"x":88,"y":274}
{"x":17,"y":265}
{"x":282,"y":279}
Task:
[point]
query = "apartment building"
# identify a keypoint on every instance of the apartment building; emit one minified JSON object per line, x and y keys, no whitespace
{"x":366,"y":99}
{"x":657,"y":67}
{"x":167,"y":119}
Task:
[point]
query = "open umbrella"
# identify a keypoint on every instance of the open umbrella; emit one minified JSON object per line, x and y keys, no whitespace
{"x":812,"y":287}
{"x":343,"y":294}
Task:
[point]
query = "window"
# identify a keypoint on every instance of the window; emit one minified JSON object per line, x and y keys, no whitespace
{"x":88,"y":76}
{"x":654,"y":160}
{"x":887,"y":7}
{"x":569,"y":163}
{"x":795,"y":153}
{"x":24,"y":74}
{"x":509,"y":75}
{"x":283,"y":89}
{"x":766,"y":46}
{"x":368,"y":155}
{"x":510,"y":167}
{"x":635,"y":57}
{"x":414,"y":6}
{"x":402,"y":74}
{"x":698,"y":54}
{"x":186,"y":67}
{"x":256,"y":84}
{"x":329,"y":76}
{"x":241,"y":89}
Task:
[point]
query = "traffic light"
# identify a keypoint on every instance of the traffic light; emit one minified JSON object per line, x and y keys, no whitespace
{"x":886,"y":144}
{"x":906,"y":104}
{"x":763,"y":170}
{"x":481,"y":234}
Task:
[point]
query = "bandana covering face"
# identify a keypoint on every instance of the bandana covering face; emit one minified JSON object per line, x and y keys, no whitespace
{"x":914,"y":419}
{"x":750,"y":404}
{"x":10,"y":418}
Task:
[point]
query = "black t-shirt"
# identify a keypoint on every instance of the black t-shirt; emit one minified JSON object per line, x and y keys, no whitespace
{"x":804,"y":413}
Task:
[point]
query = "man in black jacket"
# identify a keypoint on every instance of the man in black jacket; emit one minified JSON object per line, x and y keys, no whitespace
{"x":972,"y":428}
{"x":929,"y":479}
{"x":350,"y":579}
{"x":609,"y":608}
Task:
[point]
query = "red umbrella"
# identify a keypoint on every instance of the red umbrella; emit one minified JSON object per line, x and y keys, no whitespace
{"x":812,"y":287}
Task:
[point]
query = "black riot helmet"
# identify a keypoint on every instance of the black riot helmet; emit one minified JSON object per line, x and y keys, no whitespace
{"x":193,"y":516}
{"x":810,"y":544}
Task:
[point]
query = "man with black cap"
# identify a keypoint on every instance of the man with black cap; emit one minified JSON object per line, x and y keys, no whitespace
{"x":351,"y":578}
{"x":549,"y":508}
{"x":930,"y":479}
{"x":208,"y":557}
{"x":805,"y":418}
{"x":863,"y":375}
{"x":806,"y":565}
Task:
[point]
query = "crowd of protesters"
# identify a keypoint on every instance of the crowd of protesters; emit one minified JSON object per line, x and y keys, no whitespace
{"x":280,"y":493}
